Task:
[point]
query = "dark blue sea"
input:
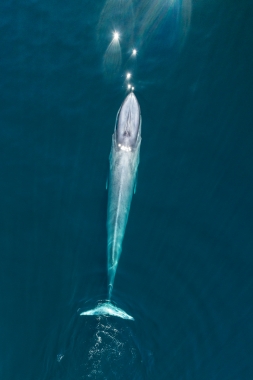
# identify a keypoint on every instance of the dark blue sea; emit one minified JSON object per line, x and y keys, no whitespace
{"x":186,"y":269}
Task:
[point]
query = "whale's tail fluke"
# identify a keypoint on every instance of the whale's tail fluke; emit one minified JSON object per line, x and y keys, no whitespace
{"x":108,"y":309}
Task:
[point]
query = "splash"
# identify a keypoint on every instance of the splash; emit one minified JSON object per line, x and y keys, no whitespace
{"x":99,"y":348}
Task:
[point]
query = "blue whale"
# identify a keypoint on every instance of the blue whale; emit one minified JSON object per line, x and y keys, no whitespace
{"x":124,"y":160}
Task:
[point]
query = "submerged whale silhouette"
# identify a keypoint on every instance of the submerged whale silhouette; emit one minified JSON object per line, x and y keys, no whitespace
{"x":124,"y":161}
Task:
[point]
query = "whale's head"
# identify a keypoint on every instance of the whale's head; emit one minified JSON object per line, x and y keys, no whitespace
{"x":128,"y":123}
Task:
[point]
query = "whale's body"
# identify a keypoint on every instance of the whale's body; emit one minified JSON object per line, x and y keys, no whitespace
{"x":124,"y":161}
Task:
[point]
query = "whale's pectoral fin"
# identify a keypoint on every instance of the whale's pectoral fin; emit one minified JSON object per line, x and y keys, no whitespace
{"x":107,"y":309}
{"x":135,"y":184}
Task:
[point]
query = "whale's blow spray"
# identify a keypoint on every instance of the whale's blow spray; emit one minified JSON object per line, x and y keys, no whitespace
{"x":124,"y":161}
{"x":112,"y":59}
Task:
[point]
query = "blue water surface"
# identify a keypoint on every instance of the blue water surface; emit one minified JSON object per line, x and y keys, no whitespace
{"x":185,"y":273}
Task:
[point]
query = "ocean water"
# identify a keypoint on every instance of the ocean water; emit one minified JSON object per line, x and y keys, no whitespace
{"x":185,"y":273}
